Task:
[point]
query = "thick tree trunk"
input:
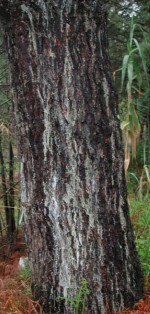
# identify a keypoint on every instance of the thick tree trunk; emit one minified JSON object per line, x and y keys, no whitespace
{"x":74,"y":202}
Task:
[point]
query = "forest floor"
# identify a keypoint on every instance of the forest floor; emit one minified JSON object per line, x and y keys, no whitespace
{"x":15,"y":292}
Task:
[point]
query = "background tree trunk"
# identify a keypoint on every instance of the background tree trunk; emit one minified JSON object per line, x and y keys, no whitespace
{"x":8,"y":192}
{"x":4,"y":187}
{"x":11,"y":196}
{"x":74,"y":202}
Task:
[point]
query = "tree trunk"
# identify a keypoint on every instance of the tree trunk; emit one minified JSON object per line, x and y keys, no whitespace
{"x":148,"y":131}
{"x":8,"y":198}
{"x":4,"y":187}
{"x":74,"y":202}
{"x":12,"y":226}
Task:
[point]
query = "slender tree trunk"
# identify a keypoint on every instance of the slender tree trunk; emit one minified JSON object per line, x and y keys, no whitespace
{"x":149,"y":131}
{"x":4,"y":187}
{"x":12,"y":226}
{"x":74,"y":202}
{"x":8,"y":198}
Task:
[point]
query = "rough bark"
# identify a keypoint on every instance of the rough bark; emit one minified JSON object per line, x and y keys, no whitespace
{"x":74,"y":202}
{"x":7,"y":197}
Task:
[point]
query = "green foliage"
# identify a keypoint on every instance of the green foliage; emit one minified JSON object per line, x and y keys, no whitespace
{"x":140,"y":215}
{"x":120,"y":13}
{"x":142,"y":183}
{"x":25,"y":272}
{"x":131,"y":64}
{"x":78,"y":303}
{"x":133,"y":45}
{"x":25,"y":276}
{"x":135,"y":77}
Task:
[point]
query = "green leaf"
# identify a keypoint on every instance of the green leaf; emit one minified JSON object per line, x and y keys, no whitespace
{"x":130,"y":72}
{"x":147,"y":171}
{"x":124,"y":68}
{"x":138,"y":47}
{"x":132,"y":51}
{"x":141,"y":55}
{"x":129,"y":90}
{"x":134,"y":176}
{"x":132,"y":32}
{"x":138,"y":75}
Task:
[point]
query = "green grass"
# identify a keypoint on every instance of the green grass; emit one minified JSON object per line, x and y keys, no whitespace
{"x":140,"y":216}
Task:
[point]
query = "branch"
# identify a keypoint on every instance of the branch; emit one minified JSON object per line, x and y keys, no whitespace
{"x":8,"y":190}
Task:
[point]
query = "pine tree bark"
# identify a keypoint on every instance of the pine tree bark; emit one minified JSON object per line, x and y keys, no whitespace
{"x":74,"y":202}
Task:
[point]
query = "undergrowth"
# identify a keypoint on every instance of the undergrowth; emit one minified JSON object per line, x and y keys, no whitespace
{"x":15,"y":291}
{"x":140,"y":216}
{"x":14,"y":300}
{"x":78,"y":302}
{"x":15,"y":283}
{"x":25,"y":276}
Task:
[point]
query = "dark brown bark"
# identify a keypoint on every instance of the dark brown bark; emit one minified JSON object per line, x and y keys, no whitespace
{"x":74,"y":202}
